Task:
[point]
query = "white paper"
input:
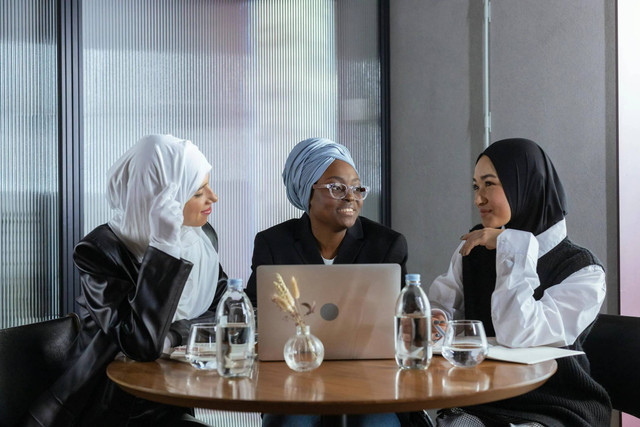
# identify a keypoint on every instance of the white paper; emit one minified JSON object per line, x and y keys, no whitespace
{"x":175,"y":353}
{"x":525,"y":355}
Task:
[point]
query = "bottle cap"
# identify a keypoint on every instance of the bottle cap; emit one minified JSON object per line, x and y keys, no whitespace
{"x":412,"y":278}
{"x":235,"y":284}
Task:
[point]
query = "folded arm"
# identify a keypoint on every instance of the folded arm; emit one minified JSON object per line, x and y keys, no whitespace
{"x":556,"y":319}
{"x":136,"y":312}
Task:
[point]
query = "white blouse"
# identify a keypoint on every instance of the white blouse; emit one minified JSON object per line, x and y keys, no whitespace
{"x":556,"y":319}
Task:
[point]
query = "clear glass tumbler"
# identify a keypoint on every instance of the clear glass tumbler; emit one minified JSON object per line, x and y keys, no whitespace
{"x":201,"y":347}
{"x":465,"y":343}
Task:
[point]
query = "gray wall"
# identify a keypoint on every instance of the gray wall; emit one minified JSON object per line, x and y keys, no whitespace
{"x":552,"y":80}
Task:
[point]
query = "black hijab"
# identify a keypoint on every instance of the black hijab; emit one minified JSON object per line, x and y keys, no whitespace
{"x":537,"y":201}
{"x":530,"y":182}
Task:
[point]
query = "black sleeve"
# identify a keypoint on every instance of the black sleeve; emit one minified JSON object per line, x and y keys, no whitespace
{"x":136,"y":312}
{"x":398,"y":253}
{"x":261,"y":256}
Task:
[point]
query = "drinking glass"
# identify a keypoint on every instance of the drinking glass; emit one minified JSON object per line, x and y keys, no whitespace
{"x":465,"y":343}
{"x":201,"y":347}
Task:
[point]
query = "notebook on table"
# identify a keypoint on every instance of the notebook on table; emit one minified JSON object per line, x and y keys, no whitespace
{"x":353,"y":315}
{"x":524,"y":355}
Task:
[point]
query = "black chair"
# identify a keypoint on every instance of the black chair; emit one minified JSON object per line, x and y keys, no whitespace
{"x":613,"y":349}
{"x":31,"y":358}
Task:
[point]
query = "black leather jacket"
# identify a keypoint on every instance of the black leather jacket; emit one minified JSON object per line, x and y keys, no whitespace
{"x":125,"y":306}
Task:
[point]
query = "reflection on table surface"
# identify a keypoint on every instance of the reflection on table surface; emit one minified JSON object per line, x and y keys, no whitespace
{"x":336,"y":387}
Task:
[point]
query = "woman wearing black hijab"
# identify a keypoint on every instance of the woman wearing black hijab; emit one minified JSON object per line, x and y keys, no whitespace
{"x":530,"y":285}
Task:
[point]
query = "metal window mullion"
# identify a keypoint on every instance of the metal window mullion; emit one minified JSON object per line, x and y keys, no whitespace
{"x":70,"y":147}
{"x":385,"y":112}
{"x":486,"y":28}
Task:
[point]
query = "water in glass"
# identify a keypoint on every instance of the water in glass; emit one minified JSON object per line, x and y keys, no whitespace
{"x":464,"y":343}
{"x":201,"y":347}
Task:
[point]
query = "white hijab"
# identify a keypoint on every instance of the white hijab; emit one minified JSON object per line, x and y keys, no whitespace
{"x":135,"y":179}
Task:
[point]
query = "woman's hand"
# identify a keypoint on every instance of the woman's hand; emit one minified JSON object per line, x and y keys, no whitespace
{"x":165,"y":217}
{"x":487,"y":237}
{"x":438,"y":324}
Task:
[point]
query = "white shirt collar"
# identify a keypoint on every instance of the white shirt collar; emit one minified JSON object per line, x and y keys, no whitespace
{"x":328,"y":261}
{"x":550,"y":238}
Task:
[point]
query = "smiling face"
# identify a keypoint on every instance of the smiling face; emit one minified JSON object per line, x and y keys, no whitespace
{"x":489,"y":195}
{"x":198,"y":207}
{"x":335,"y":214}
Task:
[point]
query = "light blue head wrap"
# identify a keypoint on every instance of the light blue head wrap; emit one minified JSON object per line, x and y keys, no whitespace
{"x":305,"y":165}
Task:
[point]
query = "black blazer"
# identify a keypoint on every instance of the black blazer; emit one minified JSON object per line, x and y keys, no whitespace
{"x":125,"y":306}
{"x":292,"y":242}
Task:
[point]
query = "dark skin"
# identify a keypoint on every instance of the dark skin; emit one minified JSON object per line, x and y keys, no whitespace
{"x":330,"y":218}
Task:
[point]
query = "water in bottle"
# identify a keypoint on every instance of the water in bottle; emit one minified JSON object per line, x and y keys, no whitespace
{"x":235,"y":332}
{"x":413,"y":326}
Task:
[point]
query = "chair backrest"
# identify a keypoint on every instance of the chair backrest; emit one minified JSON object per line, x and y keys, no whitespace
{"x":31,"y":359}
{"x":613,"y":349}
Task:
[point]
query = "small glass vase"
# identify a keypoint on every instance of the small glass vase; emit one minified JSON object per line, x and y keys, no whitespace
{"x":304,"y":351}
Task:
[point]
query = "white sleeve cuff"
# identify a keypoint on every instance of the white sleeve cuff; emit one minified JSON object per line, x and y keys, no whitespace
{"x":512,"y":241}
{"x":167,"y":344}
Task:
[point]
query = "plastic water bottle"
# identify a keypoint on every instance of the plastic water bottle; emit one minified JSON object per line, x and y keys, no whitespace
{"x":413,"y":326}
{"x":235,"y":332}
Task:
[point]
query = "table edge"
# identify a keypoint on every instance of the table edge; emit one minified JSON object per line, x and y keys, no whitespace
{"x":333,"y":407}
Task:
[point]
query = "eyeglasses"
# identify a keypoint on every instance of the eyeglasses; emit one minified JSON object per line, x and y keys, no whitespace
{"x":338,"y":190}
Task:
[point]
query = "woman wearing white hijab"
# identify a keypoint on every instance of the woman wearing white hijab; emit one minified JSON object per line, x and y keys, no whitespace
{"x":146,"y":276}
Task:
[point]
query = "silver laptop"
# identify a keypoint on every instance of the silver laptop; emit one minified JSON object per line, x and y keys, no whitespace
{"x":354,"y":309}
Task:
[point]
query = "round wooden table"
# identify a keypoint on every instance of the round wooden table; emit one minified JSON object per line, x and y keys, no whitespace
{"x":336,"y":387}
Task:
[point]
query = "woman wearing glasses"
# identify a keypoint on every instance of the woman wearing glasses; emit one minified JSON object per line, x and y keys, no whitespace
{"x":322,"y":180}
